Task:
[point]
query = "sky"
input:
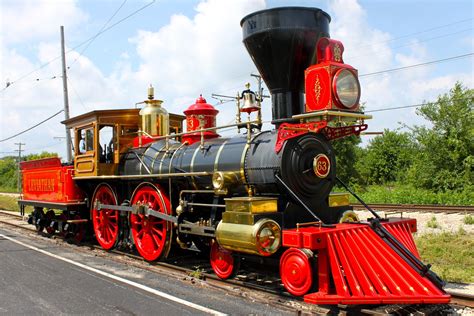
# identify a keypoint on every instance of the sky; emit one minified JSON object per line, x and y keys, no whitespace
{"x":190,"y":47}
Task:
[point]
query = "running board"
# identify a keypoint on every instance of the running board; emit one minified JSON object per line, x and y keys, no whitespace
{"x":357,"y":266}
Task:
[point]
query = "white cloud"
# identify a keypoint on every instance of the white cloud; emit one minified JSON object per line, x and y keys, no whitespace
{"x":199,"y":55}
{"x":25,"y":20}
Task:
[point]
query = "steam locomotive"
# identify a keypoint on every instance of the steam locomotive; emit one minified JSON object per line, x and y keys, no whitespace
{"x":139,"y":178}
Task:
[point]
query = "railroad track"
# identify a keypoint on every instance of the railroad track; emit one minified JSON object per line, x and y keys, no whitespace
{"x":199,"y":268}
{"x":419,"y":208}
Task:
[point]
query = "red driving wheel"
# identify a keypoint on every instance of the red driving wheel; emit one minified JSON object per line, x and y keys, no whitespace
{"x":296,"y":271}
{"x":151,"y":235}
{"x":222,"y":261}
{"x":105,"y":222}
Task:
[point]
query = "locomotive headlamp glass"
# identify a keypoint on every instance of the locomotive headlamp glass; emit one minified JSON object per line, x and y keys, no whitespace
{"x":218,"y":180}
{"x":268,"y":237}
{"x":346,"y":88}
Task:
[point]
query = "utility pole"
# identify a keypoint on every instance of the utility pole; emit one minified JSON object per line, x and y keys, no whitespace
{"x":66,"y":99}
{"x":260,"y":94}
{"x":19,"y":150}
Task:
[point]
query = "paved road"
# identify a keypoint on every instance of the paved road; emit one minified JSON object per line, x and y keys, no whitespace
{"x":57,"y":279}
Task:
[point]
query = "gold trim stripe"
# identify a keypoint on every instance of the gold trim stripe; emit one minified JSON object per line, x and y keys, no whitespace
{"x":216,"y":162}
{"x":242,"y":163}
{"x":191,"y":167}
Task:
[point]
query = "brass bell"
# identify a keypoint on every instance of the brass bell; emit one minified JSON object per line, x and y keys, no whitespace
{"x":250,"y":100}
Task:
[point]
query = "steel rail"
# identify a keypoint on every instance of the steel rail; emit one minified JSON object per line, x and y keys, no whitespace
{"x":462,"y":299}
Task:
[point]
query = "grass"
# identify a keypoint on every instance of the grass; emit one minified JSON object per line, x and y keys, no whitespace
{"x":433,"y":223}
{"x":451,"y":254}
{"x":197,"y":274}
{"x":468,"y":219}
{"x":9,"y":203}
{"x":8,"y":189}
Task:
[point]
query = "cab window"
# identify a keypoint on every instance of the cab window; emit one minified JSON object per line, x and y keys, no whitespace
{"x":85,"y":140}
{"x":107,"y":143}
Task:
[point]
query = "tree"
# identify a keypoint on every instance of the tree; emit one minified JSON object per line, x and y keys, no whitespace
{"x":9,"y":168}
{"x":43,"y":154}
{"x":445,"y":160}
{"x":346,"y":158}
{"x":8,"y":176}
{"x":387,"y":157}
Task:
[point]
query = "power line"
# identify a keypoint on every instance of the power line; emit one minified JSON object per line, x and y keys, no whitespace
{"x":417,"y":33}
{"x":10,"y":83}
{"x":57,"y":143}
{"x":414,"y":43}
{"x":101,"y":29}
{"x":30,"y":128}
{"x":414,"y":105}
{"x":77,"y":94}
{"x":417,"y":65}
{"x":410,"y":66}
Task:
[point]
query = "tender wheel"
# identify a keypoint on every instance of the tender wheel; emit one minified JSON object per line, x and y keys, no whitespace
{"x":79,"y":231}
{"x":296,"y":271}
{"x":39,"y":219}
{"x":50,"y":216}
{"x":222,"y":262}
{"x":63,"y":217}
{"x":151,"y":235}
{"x":105,"y":222}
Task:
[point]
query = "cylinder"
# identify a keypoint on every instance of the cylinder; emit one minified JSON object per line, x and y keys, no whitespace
{"x":262,"y":238}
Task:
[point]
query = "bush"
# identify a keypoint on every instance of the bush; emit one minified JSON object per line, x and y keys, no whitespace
{"x":468,"y":219}
{"x":433,"y":223}
{"x":387,"y":157}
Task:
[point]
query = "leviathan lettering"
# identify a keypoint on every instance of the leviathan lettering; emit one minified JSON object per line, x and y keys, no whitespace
{"x":41,"y":185}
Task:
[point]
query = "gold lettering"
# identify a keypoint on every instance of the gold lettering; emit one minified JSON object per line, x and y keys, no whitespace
{"x":41,"y":185}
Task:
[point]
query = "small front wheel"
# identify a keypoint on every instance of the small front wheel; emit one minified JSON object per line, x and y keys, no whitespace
{"x":224,"y":264}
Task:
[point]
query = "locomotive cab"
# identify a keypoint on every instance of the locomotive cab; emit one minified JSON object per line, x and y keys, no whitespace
{"x":102,"y":136}
{"x":99,"y":139}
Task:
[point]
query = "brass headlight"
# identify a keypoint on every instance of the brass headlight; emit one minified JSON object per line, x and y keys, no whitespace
{"x":346,"y":88}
